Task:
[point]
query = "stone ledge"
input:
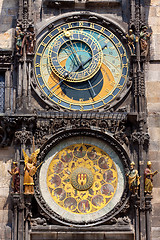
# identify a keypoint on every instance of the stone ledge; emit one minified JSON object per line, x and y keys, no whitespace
{"x":110,"y":232}
{"x":102,"y":228}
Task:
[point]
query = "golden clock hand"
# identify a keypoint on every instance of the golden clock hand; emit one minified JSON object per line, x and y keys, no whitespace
{"x":73,"y":53}
{"x":68,"y":35}
{"x":89,"y":59}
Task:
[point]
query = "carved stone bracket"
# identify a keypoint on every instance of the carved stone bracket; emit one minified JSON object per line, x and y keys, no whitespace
{"x":6,"y":58}
{"x":11,"y":127}
{"x":140,"y":138}
{"x":23,"y":136}
{"x":148,"y":205}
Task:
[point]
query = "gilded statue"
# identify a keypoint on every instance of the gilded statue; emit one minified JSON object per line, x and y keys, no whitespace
{"x":132,"y":39}
{"x":29,"y":171}
{"x":144,"y":38}
{"x":133,"y":179}
{"x":148,"y":178}
{"x":15,"y":177}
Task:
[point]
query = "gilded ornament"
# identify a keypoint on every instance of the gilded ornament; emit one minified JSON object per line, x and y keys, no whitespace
{"x":148,"y":178}
{"x":82,"y":178}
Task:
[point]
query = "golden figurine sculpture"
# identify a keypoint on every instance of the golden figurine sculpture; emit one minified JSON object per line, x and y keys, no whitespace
{"x":148,"y":178}
{"x":29,"y":171}
{"x":133,"y":179}
{"x":132,"y":39}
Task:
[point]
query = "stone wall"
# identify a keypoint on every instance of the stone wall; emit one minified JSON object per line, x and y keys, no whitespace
{"x":153,"y":105}
{"x":5,"y":200}
{"x":8,"y":15}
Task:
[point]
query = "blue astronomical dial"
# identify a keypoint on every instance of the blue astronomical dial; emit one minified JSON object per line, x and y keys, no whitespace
{"x":75,"y":56}
{"x":81,"y":66}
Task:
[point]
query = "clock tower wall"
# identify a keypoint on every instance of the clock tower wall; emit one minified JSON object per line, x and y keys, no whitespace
{"x":48,"y":104}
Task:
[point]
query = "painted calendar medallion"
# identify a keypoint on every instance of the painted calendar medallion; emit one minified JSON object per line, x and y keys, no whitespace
{"x":81,"y":178}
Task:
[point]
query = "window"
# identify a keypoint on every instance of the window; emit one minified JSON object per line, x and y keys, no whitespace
{"x":2,"y":91}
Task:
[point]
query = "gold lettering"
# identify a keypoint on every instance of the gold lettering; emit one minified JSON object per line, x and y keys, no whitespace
{"x":59,"y":29}
{"x":92,"y":25}
{"x":80,"y":24}
{"x":107,"y":90}
{"x":102,"y":29}
{"x":112,"y":83}
{"x":111,"y":36}
{"x":81,"y":107}
{"x":125,"y":65}
{"x":50,"y":35}
{"x":119,"y":86}
{"x":39,"y":54}
{"x":50,"y":95}
{"x":69,"y":25}
{"x":37,"y":65}
{"x":119,"y":44}
{"x":43,"y":44}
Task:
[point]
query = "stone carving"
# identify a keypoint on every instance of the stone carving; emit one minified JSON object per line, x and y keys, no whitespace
{"x":148,"y":178}
{"x":132,"y":39}
{"x":15,"y":177}
{"x":20,"y":36}
{"x":29,"y":171}
{"x":144,"y":39}
{"x":140,"y":137}
{"x":23,"y":136}
{"x":48,"y":126}
{"x":30,"y":41}
{"x":5,"y":58}
{"x":123,"y":221}
{"x":133,"y":179}
{"x":38,"y":221}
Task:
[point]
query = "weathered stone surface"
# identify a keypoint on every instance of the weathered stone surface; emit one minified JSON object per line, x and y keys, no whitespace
{"x":154,"y":120}
{"x":156,"y":195}
{"x":155,"y":221}
{"x":152,"y":95}
{"x":8,"y":13}
{"x":5,"y":232}
{"x":155,"y":232}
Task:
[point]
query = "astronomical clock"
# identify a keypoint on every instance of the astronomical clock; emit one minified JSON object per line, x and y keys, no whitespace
{"x":81,"y":66}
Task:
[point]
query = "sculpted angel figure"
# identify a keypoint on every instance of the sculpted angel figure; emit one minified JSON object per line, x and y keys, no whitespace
{"x":29,"y":171}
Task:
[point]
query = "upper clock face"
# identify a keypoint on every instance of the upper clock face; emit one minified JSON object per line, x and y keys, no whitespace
{"x":81,"y":66}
